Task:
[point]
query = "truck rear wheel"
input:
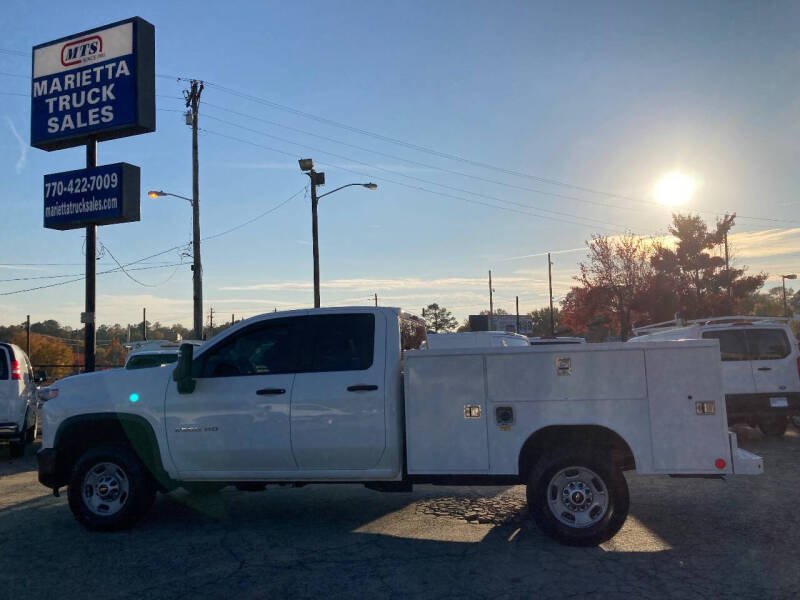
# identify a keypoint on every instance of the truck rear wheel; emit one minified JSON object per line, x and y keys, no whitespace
{"x":773,"y":427}
{"x":578,"y":497}
{"x":109,"y":489}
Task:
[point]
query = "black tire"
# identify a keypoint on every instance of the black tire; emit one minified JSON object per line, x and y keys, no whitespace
{"x":17,"y":449}
{"x":135,"y":487}
{"x":600,"y":479}
{"x":774,"y":427}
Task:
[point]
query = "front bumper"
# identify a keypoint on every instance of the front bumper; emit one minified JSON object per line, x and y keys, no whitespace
{"x":750,"y":408}
{"x":47,"y":458}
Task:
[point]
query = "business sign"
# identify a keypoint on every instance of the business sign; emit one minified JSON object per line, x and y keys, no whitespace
{"x":99,"y":196}
{"x":99,"y":84}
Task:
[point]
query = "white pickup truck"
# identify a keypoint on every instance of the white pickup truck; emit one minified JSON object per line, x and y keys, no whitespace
{"x":339,"y":395}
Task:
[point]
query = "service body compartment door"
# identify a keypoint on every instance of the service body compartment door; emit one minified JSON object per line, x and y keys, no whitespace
{"x":677,"y":380}
{"x":445,"y":405}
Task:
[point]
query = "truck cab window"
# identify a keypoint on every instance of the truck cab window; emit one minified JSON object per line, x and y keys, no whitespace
{"x":343,"y":342}
{"x":267,"y":349}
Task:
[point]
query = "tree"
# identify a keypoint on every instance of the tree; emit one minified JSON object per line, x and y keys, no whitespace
{"x":541,"y":322}
{"x":693,"y":280}
{"x":47,"y":350}
{"x":438,"y":319}
{"x":615,"y":276}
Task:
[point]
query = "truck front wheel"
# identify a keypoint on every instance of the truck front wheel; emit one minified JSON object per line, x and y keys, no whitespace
{"x":579,"y":498}
{"x":109,"y":489}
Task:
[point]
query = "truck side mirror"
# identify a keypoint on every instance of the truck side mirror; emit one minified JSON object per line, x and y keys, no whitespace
{"x":183,"y":372}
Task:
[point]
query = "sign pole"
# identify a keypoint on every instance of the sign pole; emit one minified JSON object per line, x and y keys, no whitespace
{"x":91,"y":272}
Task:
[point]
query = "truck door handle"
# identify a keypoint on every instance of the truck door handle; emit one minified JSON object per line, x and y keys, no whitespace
{"x":269,"y":391}
{"x":361,"y":388}
{"x":765,"y":368}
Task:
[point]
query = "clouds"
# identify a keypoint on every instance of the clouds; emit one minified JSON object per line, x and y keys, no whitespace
{"x":765,"y":243}
{"x":23,"y":148}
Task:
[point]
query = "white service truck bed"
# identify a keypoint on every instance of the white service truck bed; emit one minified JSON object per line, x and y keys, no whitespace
{"x":471,"y":411}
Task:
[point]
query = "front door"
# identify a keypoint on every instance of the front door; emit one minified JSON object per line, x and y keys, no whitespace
{"x":237,"y":418}
{"x":338,"y":412}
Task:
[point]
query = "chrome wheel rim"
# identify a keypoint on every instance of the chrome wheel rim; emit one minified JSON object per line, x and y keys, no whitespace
{"x":577,"y":497}
{"x":106,"y":489}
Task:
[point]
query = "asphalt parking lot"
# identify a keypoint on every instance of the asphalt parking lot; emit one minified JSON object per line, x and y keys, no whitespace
{"x":684,"y":538}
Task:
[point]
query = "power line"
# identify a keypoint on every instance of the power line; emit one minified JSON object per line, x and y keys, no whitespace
{"x":123,"y":267}
{"x":256,"y":218}
{"x":413,"y":187}
{"x":42,"y":287}
{"x":425,"y":181}
{"x":427,"y":165}
{"x":131,"y":277}
{"x":458,"y":158}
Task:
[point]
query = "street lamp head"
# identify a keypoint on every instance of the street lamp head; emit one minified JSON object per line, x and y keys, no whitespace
{"x":792,"y":276}
{"x":306,"y":164}
{"x":155,"y":194}
{"x":370,"y":186}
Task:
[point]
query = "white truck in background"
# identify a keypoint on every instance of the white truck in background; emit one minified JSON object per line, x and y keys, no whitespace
{"x":339,"y":395}
{"x":474,"y":339}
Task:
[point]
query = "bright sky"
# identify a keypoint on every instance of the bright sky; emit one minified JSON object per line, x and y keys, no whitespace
{"x":600,"y":96}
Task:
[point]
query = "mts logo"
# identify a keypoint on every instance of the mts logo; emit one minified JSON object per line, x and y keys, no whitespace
{"x":74,"y":53}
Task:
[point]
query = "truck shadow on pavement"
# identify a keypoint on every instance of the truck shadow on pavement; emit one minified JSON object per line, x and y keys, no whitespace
{"x":693,"y":538}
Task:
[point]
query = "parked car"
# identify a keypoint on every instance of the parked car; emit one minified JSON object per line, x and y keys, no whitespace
{"x":474,"y":339}
{"x":760,"y":365}
{"x":339,"y":395}
{"x":17,"y":399}
{"x":550,"y":341}
{"x":156,"y":353}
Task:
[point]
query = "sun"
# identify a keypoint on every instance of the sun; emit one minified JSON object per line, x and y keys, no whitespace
{"x":674,"y":189}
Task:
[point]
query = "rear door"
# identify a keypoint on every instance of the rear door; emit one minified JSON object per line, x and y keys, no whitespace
{"x":338,"y":401}
{"x":737,"y":371}
{"x":773,"y":360}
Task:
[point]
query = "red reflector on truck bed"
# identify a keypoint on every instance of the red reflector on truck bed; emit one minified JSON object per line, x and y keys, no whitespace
{"x":720,"y":463}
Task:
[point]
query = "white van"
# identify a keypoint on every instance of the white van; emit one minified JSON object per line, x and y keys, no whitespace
{"x":474,"y":339}
{"x":760,"y":365}
{"x":17,"y":399}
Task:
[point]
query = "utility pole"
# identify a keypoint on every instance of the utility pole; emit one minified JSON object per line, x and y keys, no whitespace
{"x":232,"y":319}
{"x":129,"y":333}
{"x":144,"y":324}
{"x":728,"y":276}
{"x":517,"y":298}
{"x":491,"y":301}
{"x":376,"y":298}
{"x":89,"y":335}
{"x":211,"y":320}
{"x":192,"y":96}
{"x":28,"y":331}
{"x":550,"y":285}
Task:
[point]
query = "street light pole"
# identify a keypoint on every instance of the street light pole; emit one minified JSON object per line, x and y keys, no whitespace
{"x":307,"y":166}
{"x":315,"y":234}
{"x":783,"y":284}
{"x":197,"y":271}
